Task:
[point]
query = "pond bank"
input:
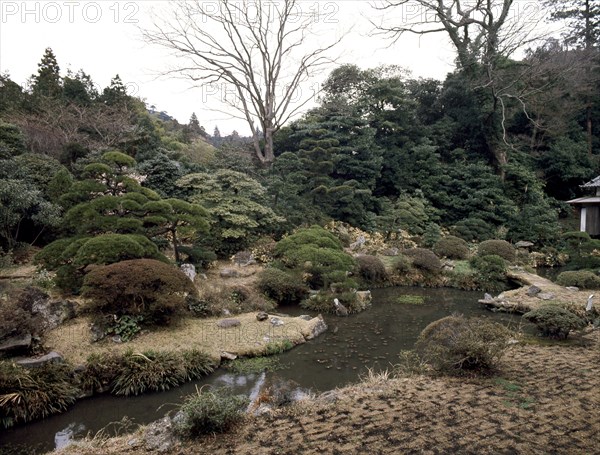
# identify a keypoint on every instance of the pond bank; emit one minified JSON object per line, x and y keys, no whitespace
{"x":534,"y":292}
{"x":542,"y":399}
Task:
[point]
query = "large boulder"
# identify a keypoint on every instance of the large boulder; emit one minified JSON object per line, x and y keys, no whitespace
{"x":318,"y":328}
{"x":189,"y":270}
{"x":54,"y":312}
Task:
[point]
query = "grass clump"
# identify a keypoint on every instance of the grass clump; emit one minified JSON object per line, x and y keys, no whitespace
{"x":452,"y":247}
{"x":278,"y":347}
{"x":29,"y":394}
{"x":151,"y":371}
{"x":236,"y":299}
{"x":410,"y":299}
{"x":282,"y":287}
{"x":210,"y":412}
{"x":554,"y":321}
{"x":498,"y":248}
{"x":254,"y":365}
{"x":456,"y":345}
{"x":583,"y":279}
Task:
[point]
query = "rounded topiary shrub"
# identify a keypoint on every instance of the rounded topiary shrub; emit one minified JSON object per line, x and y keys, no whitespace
{"x":553,"y":321}
{"x":282,"y":287}
{"x":456,"y":344}
{"x":371,"y":269}
{"x":497,"y":247}
{"x":452,"y":247}
{"x":583,"y":279}
{"x":473,"y":229}
{"x":424,"y":259}
{"x":490,"y":272}
{"x":140,"y":287}
{"x":402,"y":264}
{"x":211,"y":412}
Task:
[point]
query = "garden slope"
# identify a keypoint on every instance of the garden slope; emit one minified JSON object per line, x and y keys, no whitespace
{"x":545,"y":399}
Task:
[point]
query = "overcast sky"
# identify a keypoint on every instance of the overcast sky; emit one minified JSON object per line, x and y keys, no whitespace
{"x":103,"y":38}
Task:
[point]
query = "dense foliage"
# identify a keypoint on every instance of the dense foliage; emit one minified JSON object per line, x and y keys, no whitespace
{"x":554,"y":321}
{"x":143,"y":287}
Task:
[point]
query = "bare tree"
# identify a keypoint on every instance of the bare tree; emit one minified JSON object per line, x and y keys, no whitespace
{"x":484,"y":34}
{"x":258,"y":48}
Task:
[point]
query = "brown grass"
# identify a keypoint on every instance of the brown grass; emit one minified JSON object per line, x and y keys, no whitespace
{"x":544,"y":400}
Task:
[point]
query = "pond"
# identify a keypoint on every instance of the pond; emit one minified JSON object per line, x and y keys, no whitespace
{"x":372,"y":339}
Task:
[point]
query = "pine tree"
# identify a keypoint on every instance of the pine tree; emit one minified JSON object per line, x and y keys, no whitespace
{"x":47,"y":82}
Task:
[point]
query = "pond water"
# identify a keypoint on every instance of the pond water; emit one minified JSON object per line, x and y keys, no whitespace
{"x":372,"y":339}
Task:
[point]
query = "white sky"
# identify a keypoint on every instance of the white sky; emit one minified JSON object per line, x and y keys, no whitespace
{"x":102,"y":38}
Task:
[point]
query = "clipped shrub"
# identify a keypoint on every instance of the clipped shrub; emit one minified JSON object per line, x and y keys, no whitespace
{"x":140,"y":287}
{"x":371,"y":269}
{"x":402,"y":264}
{"x":583,"y":279}
{"x":473,"y":229}
{"x":323,"y":302}
{"x":455,"y":344}
{"x":490,"y":272}
{"x":554,"y":321}
{"x":29,"y":394}
{"x":199,"y":256}
{"x":452,"y":247}
{"x":314,"y":235}
{"x":134,"y":373}
{"x":424,"y":259}
{"x":282,"y":287}
{"x":210,"y":412}
{"x":497,"y":247}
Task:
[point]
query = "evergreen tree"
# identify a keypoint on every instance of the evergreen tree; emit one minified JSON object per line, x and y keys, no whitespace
{"x":47,"y":82}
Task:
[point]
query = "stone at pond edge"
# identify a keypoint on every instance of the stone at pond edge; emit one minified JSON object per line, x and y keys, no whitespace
{"x":277,"y":322}
{"x":228,"y":355}
{"x":262,"y":316}
{"x":41,"y":361}
{"x":572,"y":288}
{"x":159,"y":436}
{"x":532,"y":291}
{"x":364,"y":296}
{"x":318,"y":328}
{"x":227,"y":323}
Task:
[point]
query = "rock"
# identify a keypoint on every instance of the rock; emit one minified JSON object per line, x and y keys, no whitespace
{"x":448,"y":265}
{"x":16,"y":344}
{"x":97,"y":332}
{"x":546,"y":296}
{"x":359,"y":242}
{"x":487,"y":297}
{"x":229,"y":273}
{"x":41,"y":361}
{"x":305,"y":317}
{"x":524,"y":244}
{"x":277,"y":322}
{"x":117,"y":339}
{"x":227,"y":323}
{"x":262,"y":316}
{"x":159,"y":436}
{"x":203,"y":276}
{"x":390,"y":252}
{"x":243,"y":259}
{"x":340,"y":310}
{"x":532,"y":291}
{"x":572,"y":288}
{"x":228,"y":355}
{"x":54,"y":312}
{"x":226,"y":312}
{"x":318,"y":328}
{"x":189,"y":270}
{"x":364,"y":296}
